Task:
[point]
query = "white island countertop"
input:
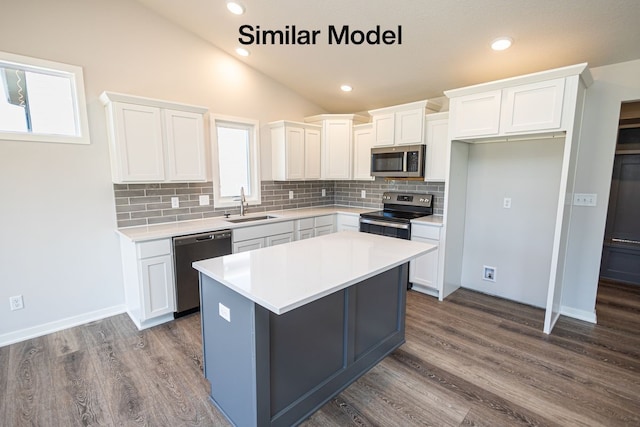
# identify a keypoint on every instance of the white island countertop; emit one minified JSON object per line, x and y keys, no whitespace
{"x":284,"y":277}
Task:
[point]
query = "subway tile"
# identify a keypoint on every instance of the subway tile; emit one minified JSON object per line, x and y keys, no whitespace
{"x":160,"y":191}
{"x":128,"y":193}
{"x":161,"y":219}
{"x":144,"y":200}
{"x":130,"y":208}
{"x":145,"y":214}
{"x":120,"y":187}
{"x":188,"y":217}
{"x":177,"y":211}
{"x":132,"y":223}
{"x":157,"y":206}
{"x":122,"y":201}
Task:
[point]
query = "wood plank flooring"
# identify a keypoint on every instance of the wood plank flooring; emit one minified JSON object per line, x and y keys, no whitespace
{"x":470,"y":360}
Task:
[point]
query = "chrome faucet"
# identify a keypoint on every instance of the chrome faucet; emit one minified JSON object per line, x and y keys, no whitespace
{"x":243,"y":202}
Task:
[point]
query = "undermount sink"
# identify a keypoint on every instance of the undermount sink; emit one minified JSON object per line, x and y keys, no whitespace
{"x":252,"y":218}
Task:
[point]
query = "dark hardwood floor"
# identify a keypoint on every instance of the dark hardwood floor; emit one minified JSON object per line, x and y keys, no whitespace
{"x":471,"y":360}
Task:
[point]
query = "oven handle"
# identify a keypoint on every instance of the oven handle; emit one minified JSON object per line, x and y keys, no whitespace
{"x":384,"y":224}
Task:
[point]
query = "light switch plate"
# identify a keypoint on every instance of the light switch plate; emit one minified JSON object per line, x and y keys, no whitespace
{"x":506,"y":203}
{"x":175,"y":202}
{"x":585,"y":199}
{"x":290,"y":194}
{"x":204,"y":200}
{"x":363,"y":194}
{"x":324,"y":192}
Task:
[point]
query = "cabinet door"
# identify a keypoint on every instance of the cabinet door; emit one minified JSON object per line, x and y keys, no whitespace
{"x":362,"y":144}
{"x":312,"y":154}
{"x":409,"y":126}
{"x":295,"y":160}
{"x":424,"y":269}
{"x":383,"y":129}
{"x":248,"y":245}
{"x":157,"y":286}
{"x":138,"y":143}
{"x":437,"y":139}
{"x":476,"y":115}
{"x":279,"y":239}
{"x":336,"y":144}
{"x":323,"y":230}
{"x":184,"y":133}
{"x":304,"y":234}
{"x":533,"y":107}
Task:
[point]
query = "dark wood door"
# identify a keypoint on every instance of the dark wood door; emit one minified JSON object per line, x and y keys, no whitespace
{"x":621,"y":251}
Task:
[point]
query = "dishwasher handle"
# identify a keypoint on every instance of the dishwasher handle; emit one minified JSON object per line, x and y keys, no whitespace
{"x":202,"y":237}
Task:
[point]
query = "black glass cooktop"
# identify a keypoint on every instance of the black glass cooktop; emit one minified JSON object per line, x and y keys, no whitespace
{"x":396,"y":216}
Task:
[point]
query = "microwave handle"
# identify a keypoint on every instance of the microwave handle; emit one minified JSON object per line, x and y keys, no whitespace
{"x":404,"y":161}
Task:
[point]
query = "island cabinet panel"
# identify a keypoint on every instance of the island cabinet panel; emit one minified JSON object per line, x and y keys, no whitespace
{"x":276,"y":370}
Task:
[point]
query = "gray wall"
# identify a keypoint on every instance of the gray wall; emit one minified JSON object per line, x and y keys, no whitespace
{"x":517,"y":241}
{"x":59,"y":249}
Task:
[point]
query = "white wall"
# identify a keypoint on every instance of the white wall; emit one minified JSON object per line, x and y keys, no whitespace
{"x":517,"y":241}
{"x":612,"y":85}
{"x":58,"y":247}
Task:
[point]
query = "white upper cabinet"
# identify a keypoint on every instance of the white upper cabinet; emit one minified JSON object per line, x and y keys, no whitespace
{"x":295,"y":151}
{"x":437,"y":138}
{"x":154,"y":141}
{"x":532,"y":107}
{"x":517,"y":106}
{"x":135,"y":134}
{"x":401,"y":124}
{"x":336,"y":143}
{"x":476,"y":114}
{"x":362,"y":144}
{"x":312,"y":156}
{"x":184,"y":133}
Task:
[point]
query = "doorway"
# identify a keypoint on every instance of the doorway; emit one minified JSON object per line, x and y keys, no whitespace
{"x":621,"y":246}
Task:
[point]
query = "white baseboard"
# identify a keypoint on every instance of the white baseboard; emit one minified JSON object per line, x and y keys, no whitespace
{"x":587,"y":316}
{"x":58,"y":325}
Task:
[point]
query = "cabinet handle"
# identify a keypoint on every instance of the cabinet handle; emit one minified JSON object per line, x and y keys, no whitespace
{"x":633,"y":242}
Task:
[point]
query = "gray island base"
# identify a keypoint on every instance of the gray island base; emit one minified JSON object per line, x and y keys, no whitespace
{"x":268,"y":369}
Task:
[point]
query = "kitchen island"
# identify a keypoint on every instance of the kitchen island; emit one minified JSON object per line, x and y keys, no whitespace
{"x":286,"y":328}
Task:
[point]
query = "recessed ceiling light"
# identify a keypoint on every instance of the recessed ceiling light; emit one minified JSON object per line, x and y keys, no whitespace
{"x":235,"y":7}
{"x":501,"y":43}
{"x":346,"y":88}
{"x":242,"y":51}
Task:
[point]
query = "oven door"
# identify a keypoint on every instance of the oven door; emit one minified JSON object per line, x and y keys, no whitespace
{"x":385,"y":228}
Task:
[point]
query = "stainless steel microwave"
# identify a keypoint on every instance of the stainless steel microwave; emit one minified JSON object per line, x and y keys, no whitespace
{"x":402,"y":161}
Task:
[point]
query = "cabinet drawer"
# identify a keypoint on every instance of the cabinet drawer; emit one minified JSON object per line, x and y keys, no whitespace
{"x":425,"y":232}
{"x":153,"y":248}
{"x":323,"y":220}
{"x":304,"y":224}
{"x":259,"y":231}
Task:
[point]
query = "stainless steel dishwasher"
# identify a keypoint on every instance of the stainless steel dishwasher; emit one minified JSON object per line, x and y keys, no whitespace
{"x":188,"y":249}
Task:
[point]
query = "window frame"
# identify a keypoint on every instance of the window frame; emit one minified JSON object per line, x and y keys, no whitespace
{"x":255,"y":198}
{"x":52,"y":68}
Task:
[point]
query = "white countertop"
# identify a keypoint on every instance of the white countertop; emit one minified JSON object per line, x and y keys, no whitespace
{"x":284,"y":277}
{"x":172,"y":229}
{"x":433,"y":220}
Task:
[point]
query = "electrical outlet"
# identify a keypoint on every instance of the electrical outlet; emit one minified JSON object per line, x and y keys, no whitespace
{"x":16,"y":303}
{"x":204,"y":200}
{"x":324,"y":193}
{"x":363,"y":194}
{"x":506,"y":203}
{"x":489,"y":273}
{"x":290,"y":194}
{"x":224,"y":312}
{"x":175,"y":202}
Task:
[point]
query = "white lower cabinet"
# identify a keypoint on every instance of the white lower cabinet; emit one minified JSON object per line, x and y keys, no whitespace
{"x":313,"y":227}
{"x":149,"y":281}
{"x":347,"y":222}
{"x":260,"y":236}
{"x":425,"y":272}
{"x":249,"y":245}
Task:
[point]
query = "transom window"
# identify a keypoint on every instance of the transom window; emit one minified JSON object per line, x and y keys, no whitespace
{"x":41,"y":101}
{"x":235,"y":160}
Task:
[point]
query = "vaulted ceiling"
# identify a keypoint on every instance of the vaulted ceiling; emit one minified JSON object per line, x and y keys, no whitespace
{"x":445,"y":43}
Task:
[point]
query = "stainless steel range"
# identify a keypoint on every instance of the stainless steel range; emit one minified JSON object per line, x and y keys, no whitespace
{"x":399,"y":209}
